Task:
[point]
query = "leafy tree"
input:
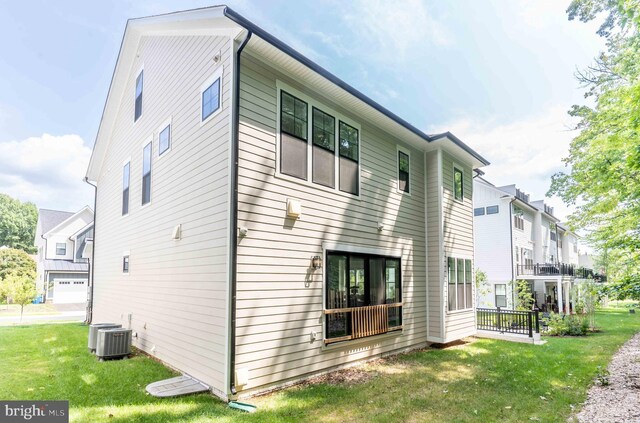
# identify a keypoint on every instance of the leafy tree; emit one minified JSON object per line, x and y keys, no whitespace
{"x":17,"y":223}
{"x":586,"y":297}
{"x":603,"y":176}
{"x":21,"y":288}
{"x":14,"y":263}
{"x":524,"y":296}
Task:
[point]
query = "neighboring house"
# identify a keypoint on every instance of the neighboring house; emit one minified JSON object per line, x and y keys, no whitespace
{"x":519,"y":239}
{"x":61,"y":237}
{"x":259,"y":221}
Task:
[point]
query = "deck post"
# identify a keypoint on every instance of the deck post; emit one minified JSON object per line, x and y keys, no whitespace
{"x":530,"y":323}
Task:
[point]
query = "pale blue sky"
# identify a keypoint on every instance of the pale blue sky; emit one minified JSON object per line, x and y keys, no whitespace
{"x":497,"y":73}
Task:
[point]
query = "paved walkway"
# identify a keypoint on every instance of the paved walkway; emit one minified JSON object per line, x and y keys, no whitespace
{"x":619,"y":401}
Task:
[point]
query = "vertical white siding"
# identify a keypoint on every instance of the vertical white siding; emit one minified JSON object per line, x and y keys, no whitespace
{"x":176,"y":290}
{"x":280,"y":300}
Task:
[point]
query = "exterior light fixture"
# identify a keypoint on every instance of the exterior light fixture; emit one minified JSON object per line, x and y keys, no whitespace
{"x":316,"y":262}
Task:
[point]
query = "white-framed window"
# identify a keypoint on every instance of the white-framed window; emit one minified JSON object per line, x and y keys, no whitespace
{"x":125,"y":263}
{"x":146,"y":173}
{"x":404,"y":170}
{"x":211,"y":96}
{"x":315,"y":144}
{"x":501,"y":295}
{"x":460,"y":281}
{"x":164,"y":138}
{"x":61,"y":248}
{"x":138,"y":95}
{"x":126,"y":179}
{"x":458,"y":183}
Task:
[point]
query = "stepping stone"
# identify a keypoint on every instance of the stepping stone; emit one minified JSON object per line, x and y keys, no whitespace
{"x":177,"y":386}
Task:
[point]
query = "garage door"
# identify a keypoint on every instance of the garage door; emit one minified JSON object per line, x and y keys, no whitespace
{"x":67,"y":292}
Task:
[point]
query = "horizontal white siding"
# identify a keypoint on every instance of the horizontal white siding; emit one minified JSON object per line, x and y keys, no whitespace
{"x":280,"y":300}
{"x":458,"y":239}
{"x":176,"y":290}
{"x":435,"y":295}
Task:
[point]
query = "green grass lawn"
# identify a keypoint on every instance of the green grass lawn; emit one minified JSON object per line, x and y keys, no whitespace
{"x":486,"y":380}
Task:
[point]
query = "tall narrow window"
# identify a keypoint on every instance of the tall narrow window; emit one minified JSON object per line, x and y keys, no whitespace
{"x":324,"y":147}
{"x":125,"y":264}
{"x":139,"y":87}
{"x":451,"y":290}
{"x":211,"y":99}
{"x":501,"y":295}
{"x":457,"y":184}
{"x":146,"y":174}
{"x":349,"y":158}
{"x":164,"y":140}
{"x":125,"y":189}
{"x":468,"y":286}
{"x":293,"y":136}
{"x":403,"y":171}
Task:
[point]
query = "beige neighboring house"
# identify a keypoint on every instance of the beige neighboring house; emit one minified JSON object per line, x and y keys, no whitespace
{"x":61,"y":239}
{"x":258,"y":220}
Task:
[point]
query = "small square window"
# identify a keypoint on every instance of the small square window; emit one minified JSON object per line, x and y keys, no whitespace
{"x":211,"y":99}
{"x":478,"y":211}
{"x":493,"y":210}
{"x":164,"y":140}
{"x":125,"y":264}
{"x":61,"y":249}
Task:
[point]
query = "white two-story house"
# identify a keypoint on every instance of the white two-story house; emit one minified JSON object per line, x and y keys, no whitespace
{"x":519,"y":239}
{"x":61,"y":238}
{"x":259,"y":220}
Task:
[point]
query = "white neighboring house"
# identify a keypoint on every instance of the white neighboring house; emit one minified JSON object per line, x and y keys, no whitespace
{"x":61,"y":239}
{"x":519,"y":239}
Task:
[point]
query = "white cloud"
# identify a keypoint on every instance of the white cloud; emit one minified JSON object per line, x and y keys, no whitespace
{"x":47,"y":170}
{"x":525,"y":151}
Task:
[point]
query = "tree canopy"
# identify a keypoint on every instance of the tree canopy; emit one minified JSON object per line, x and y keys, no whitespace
{"x":17,"y":223}
{"x":603,"y":176}
{"x":17,"y":275}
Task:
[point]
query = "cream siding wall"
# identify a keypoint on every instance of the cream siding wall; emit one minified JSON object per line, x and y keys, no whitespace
{"x":176,"y":290}
{"x":435,"y":294}
{"x":280,"y":300}
{"x":458,"y":240}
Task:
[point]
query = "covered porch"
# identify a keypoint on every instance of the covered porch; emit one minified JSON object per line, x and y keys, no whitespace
{"x":552,"y":294}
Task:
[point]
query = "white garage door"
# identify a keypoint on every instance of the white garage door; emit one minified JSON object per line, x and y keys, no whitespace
{"x":70,"y":291}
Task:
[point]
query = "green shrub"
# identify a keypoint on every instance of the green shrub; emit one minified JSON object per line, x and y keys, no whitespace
{"x":560,"y":325}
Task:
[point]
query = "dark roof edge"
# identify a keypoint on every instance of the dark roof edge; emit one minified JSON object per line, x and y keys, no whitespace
{"x":242,"y":21}
{"x":460,"y":144}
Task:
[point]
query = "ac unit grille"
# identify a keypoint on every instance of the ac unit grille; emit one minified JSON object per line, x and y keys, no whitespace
{"x":113,"y":343}
{"x":93,"y":333}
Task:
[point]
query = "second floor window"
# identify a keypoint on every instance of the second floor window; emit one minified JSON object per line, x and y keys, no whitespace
{"x":293,"y":136}
{"x":349,"y":158}
{"x":478,"y":211}
{"x":61,"y":249}
{"x":211,"y":99}
{"x":553,"y":236}
{"x":324,"y":148}
{"x":164,"y":140}
{"x":518,"y":222}
{"x":138,"y":102}
{"x":125,"y":264}
{"x":403,"y":171}
{"x":125,"y":188}
{"x":146,"y":174}
{"x":458,"y":191}
{"x":493,"y":210}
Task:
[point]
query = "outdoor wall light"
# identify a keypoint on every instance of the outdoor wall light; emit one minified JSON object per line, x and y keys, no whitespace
{"x":316,"y":262}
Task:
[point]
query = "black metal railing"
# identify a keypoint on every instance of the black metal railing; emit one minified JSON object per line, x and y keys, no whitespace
{"x":546,"y":269}
{"x":509,"y":321}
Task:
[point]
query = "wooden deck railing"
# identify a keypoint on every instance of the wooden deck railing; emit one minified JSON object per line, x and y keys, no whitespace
{"x":365,"y":321}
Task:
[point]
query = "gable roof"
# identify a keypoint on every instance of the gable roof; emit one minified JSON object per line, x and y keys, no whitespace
{"x":223,"y":20}
{"x":49,"y":219}
{"x":69,"y":218}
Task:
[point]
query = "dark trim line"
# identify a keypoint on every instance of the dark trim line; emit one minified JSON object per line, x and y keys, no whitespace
{"x":89,"y":316}
{"x":235,"y":144}
{"x":252,"y":28}
{"x":513,"y":273}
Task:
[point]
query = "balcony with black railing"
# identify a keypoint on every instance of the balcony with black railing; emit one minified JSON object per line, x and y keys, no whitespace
{"x":522,"y":196}
{"x":558,"y":269}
